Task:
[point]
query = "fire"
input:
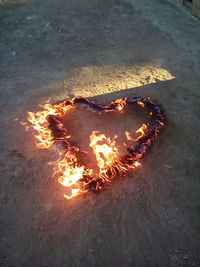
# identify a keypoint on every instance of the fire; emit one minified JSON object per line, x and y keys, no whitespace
{"x":121,"y":102}
{"x":76,"y":178}
{"x":70,"y":172}
{"x":108,"y":157}
{"x":39,"y":122}
{"x":106,"y":154}
{"x":140,"y":103}
{"x":141,"y":130}
{"x":68,"y":168}
{"x":75,"y":192}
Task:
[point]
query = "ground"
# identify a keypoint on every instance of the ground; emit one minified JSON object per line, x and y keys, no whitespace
{"x":101,"y":49}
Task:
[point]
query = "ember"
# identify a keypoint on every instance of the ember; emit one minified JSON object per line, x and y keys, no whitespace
{"x":71,"y":174}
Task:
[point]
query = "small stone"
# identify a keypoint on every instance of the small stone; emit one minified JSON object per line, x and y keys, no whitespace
{"x":167,"y":166}
{"x":46,"y":239}
{"x":48,"y":206}
{"x":19,"y":171}
{"x":90,"y":250}
{"x":4,"y":256}
{"x":47,"y":27}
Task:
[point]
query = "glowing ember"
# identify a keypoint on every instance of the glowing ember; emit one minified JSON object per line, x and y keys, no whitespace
{"x":141,"y":103}
{"x":76,"y":178}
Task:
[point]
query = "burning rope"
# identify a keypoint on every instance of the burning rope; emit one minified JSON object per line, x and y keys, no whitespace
{"x":49,"y":129}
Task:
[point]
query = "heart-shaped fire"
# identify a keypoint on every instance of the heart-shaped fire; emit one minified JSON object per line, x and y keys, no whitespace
{"x":49,"y":129}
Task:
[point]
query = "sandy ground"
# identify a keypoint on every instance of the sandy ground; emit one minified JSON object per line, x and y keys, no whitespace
{"x":104,"y":50}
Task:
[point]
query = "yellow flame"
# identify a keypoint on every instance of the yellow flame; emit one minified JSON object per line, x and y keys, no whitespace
{"x":75,"y":192}
{"x":70,"y":173}
{"x":140,"y":103}
{"x":106,"y":154}
{"x":39,"y":122}
{"x":141,"y":130}
{"x":121,"y":102}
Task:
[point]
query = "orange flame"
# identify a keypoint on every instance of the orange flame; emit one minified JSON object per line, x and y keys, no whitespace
{"x":141,"y":130}
{"x":121,"y":102}
{"x":39,"y":122}
{"x":72,"y":175}
{"x":70,"y":172}
{"x":106,"y":154}
{"x":75,"y":192}
{"x":140,"y":103}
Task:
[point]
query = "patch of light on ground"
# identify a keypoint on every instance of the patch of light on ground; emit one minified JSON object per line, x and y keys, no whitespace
{"x":95,"y":80}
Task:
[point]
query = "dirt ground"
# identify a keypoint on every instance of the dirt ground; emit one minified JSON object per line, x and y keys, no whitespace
{"x":102,"y":49}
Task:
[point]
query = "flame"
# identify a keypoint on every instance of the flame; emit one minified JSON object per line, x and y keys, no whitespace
{"x":106,"y":153}
{"x":140,"y":103}
{"x":70,"y":172}
{"x":141,"y":130}
{"x":39,"y":122}
{"x":67,"y":166}
{"x":76,"y":178}
{"x":137,"y":164}
{"x":69,"y":169}
{"x":108,"y":157}
{"x":75,"y":192}
{"x":121,"y":102}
